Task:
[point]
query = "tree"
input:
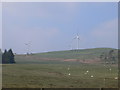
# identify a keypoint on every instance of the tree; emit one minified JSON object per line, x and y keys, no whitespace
{"x":11,"y":56}
{"x":5,"y":58}
{"x":109,"y":57}
{"x":103,"y":57}
{"x":8,"y":57}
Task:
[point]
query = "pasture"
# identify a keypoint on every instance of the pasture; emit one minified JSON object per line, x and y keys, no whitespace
{"x":56,"y":76}
{"x":62,"y":69}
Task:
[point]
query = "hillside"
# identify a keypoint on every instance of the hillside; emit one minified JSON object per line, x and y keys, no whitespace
{"x":77,"y":54}
{"x":72,"y":68}
{"x":82,"y":55}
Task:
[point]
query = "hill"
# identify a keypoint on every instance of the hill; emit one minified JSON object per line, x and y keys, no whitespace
{"x":81,"y":55}
{"x":61,"y":69}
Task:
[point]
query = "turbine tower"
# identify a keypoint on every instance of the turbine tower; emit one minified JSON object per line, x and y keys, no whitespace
{"x":78,"y":39}
{"x":28,"y":47}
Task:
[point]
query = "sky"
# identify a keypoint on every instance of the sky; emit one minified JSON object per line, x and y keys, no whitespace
{"x":51,"y":26}
{"x":1,"y":25}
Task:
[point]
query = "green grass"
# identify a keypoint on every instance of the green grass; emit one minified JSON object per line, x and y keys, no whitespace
{"x":77,"y":54}
{"x":83,"y":54}
{"x":56,"y":76}
{"x":34,"y":71}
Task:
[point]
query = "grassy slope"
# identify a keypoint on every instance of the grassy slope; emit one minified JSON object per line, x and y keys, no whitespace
{"x":56,"y":76}
{"x":83,"y":53}
{"x":32,"y":71}
{"x":61,"y":55}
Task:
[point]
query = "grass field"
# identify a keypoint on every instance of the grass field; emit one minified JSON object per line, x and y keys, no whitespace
{"x":50,"y":70}
{"x":56,"y":75}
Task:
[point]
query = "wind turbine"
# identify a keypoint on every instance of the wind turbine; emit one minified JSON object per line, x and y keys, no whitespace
{"x":78,"y":39}
{"x":28,"y":47}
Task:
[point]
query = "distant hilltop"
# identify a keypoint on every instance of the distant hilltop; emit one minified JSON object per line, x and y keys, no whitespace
{"x":94,"y":55}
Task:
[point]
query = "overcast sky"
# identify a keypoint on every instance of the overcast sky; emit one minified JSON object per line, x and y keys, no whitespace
{"x":52,"y":26}
{"x":1,"y":25}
